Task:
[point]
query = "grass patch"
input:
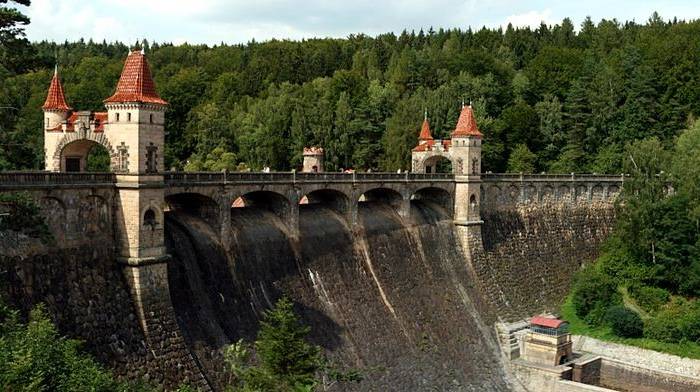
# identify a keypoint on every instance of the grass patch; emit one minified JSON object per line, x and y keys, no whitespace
{"x":579,"y":327}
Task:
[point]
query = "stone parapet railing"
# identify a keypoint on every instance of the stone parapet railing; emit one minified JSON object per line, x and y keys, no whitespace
{"x":293,"y":177}
{"x":517,"y":177}
{"x":42,"y":179}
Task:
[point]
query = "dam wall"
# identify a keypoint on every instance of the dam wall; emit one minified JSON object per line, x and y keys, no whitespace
{"x":392,"y":297}
{"x":389,"y":282}
{"x":536,"y":233}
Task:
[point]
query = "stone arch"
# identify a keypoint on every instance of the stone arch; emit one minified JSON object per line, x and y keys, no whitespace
{"x":493,"y":195}
{"x":547,"y":194}
{"x":431,"y":161}
{"x":151,"y":217}
{"x":597,"y":193}
{"x":196,"y":204}
{"x":512,"y":194}
{"x":563,"y":193}
{"x":581,"y":193}
{"x":613,"y":191}
{"x":94,"y":137}
{"x":335,"y":199}
{"x":94,"y":216}
{"x":54,"y":212}
{"x":438,"y":196}
{"x":530,"y":193}
{"x":473,"y":204}
{"x":272,"y":201}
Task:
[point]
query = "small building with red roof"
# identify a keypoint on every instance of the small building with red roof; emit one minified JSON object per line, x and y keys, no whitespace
{"x":548,"y":341}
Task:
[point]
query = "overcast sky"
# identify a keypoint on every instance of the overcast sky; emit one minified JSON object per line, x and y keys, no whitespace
{"x":236,"y":21}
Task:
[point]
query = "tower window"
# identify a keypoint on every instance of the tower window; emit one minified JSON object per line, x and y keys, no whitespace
{"x":128,"y":117}
{"x":151,"y":159}
{"x":117,"y":117}
{"x":150,"y":118}
{"x":149,"y":219}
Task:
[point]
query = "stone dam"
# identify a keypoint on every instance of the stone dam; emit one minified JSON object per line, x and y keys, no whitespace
{"x":389,"y":281}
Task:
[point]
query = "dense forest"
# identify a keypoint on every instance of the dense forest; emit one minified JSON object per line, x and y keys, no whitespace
{"x":556,"y":98}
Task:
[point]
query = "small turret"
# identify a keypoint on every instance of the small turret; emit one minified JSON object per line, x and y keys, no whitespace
{"x":55,"y":108}
{"x":425,"y":134}
{"x":313,"y":160}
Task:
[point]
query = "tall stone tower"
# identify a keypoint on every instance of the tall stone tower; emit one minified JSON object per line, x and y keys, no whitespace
{"x":135,"y":126}
{"x":465,"y":151}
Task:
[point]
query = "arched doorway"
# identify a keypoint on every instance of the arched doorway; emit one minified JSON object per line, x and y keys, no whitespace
{"x":438,"y":164}
{"x":85,"y":156}
{"x":91,"y":152}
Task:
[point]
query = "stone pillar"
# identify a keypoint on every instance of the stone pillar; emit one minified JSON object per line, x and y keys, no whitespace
{"x":467,"y":199}
{"x":404,"y":207}
{"x":150,"y":293}
{"x":292,"y":215}
{"x":141,"y":249}
{"x":225,"y":221}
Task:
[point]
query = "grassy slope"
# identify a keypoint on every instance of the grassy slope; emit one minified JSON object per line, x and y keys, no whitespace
{"x":579,"y":327}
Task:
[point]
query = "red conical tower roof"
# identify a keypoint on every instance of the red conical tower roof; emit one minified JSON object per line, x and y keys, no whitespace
{"x":135,"y":83}
{"x":466,"y":125}
{"x":425,"y":133}
{"x":55,"y":99}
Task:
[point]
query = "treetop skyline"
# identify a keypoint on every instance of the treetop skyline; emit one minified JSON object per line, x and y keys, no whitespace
{"x":215,"y":21}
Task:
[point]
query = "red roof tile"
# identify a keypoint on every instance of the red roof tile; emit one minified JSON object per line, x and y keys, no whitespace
{"x":100,"y":118}
{"x":425,"y":133}
{"x":466,"y":125}
{"x":546,"y":322}
{"x":136,"y":83}
{"x":55,"y":99}
{"x":430,"y":144}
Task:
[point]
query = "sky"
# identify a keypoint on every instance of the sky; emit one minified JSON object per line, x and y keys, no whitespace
{"x":239,"y":21}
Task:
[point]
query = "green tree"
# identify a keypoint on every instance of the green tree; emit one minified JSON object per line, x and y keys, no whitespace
{"x":521,"y":160}
{"x":16,"y":54}
{"x":34,"y":357}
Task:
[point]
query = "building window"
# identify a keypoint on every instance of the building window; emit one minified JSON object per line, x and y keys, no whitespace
{"x":149,"y":219}
{"x":116,"y":117}
{"x":151,"y":159}
{"x":128,"y":117}
{"x":122,"y":158}
{"x":475,"y":165}
{"x":150,"y":118}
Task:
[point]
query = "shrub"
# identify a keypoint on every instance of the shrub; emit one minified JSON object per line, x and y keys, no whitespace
{"x":34,"y":357}
{"x":624,"y":322}
{"x":593,"y":293}
{"x":679,"y":320}
{"x":24,"y":216}
{"x":650,"y":299}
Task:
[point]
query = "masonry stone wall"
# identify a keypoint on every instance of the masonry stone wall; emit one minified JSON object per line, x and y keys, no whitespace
{"x":87,"y":294}
{"x":527,"y":254}
{"x":626,"y":377}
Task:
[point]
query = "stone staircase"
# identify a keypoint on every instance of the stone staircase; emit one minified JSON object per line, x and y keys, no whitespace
{"x":509,"y":336}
